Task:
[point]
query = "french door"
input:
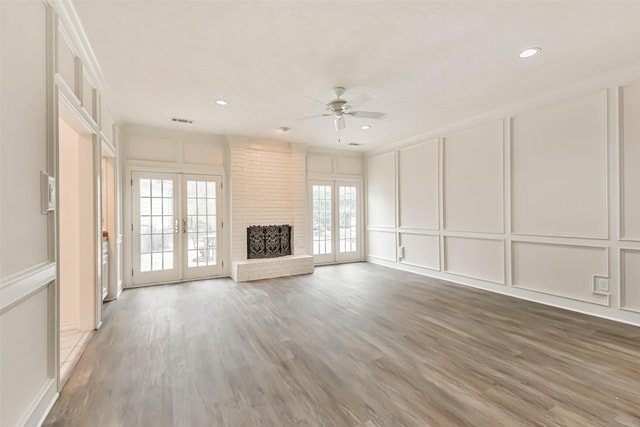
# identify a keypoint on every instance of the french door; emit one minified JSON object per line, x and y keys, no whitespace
{"x":176,"y":223}
{"x":336,"y":221}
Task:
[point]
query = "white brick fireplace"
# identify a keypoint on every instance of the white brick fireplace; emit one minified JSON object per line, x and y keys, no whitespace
{"x":267,"y":182}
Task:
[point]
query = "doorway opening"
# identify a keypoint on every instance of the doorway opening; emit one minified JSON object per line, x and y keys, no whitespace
{"x":79,"y":314}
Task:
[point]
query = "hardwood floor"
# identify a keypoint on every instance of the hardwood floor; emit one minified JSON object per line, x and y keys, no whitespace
{"x":350,"y":345}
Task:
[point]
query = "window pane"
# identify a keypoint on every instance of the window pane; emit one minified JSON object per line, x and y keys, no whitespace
{"x":156,"y":261}
{"x":145,"y":206}
{"x":156,"y":242}
{"x":167,"y":242}
{"x":145,"y":244}
{"x":145,"y":262}
{"x":156,"y":206}
{"x":167,"y":188}
{"x":191,"y":189}
{"x":156,"y":224}
{"x":145,"y":225}
{"x":156,"y":188}
{"x":145,"y":188}
{"x":168,"y":260}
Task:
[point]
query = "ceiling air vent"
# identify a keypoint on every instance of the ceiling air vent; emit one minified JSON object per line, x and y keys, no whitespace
{"x":179,"y":120}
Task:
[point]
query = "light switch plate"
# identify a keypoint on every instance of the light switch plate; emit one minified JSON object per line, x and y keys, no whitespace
{"x":48,"y":192}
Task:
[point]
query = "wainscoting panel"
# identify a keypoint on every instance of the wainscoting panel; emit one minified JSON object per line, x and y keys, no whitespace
{"x":473,"y":179}
{"x":381,"y":190}
{"x":559,"y":269}
{"x":475,"y":257}
{"x":559,"y":169}
{"x":349,"y":166}
{"x":418,"y":184}
{"x":152,"y":149}
{"x":630,"y":279}
{"x":630,"y":162}
{"x":203,"y":153}
{"x":381,"y":244}
{"x":420,"y":250}
{"x":317,"y":164}
{"x":24,"y":366}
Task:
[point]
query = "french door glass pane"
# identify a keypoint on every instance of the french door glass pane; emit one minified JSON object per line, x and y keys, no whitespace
{"x":321,"y":198}
{"x":348,"y":218}
{"x":156,"y":225}
{"x":201,"y":223}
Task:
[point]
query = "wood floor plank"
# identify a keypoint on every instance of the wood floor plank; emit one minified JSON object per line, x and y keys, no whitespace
{"x":350,"y":345}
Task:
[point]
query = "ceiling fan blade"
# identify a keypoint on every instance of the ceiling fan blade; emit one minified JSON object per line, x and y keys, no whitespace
{"x":312,"y":117}
{"x":339,"y":123}
{"x":367,"y":115}
{"x":361,"y":99}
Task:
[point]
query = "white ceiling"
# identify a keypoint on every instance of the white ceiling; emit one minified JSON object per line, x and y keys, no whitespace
{"x":426,"y":63}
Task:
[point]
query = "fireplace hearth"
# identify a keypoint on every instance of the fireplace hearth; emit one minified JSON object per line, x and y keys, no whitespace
{"x":268,"y":241}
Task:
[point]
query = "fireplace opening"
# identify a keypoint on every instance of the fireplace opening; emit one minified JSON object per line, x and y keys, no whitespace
{"x":268,"y":241}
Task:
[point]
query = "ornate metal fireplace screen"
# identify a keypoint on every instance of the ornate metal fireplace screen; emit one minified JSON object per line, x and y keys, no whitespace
{"x":268,"y":241}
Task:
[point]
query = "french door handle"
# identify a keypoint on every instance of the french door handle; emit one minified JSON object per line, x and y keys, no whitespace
{"x":184,"y":225}
{"x":176,"y":227}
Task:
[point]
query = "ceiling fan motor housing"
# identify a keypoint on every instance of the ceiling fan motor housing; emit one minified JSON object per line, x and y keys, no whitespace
{"x":337,"y":105}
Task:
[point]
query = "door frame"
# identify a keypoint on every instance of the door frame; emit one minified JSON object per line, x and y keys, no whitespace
{"x":144,"y":166}
{"x":335,"y":257}
{"x":68,"y":110}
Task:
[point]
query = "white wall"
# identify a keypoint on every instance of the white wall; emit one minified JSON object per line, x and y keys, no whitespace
{"x":27,"y":274}
{"x":539,"y":201}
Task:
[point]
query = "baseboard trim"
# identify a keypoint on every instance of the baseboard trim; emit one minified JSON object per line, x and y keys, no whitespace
{"x":37,"y":412}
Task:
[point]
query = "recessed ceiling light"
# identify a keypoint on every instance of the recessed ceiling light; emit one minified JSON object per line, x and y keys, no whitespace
{"x":221,"y":102}
{"x":365,"y":127}
{"x":530,"y":52}
{"x":284,"y":129}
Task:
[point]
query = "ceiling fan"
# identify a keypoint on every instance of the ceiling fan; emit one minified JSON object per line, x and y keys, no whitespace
{"x":339,"y":108}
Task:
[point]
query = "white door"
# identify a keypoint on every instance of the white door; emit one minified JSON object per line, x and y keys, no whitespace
{"x":335,"y":208}
{"x":201,"y":221}
{"x":175,"y":224}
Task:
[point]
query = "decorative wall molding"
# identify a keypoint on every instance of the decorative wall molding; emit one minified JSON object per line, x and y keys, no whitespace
{"x":609,"y":239}
{"x":19,"y":286}
{"x":623,"y":282}
{"x":588,"y":286}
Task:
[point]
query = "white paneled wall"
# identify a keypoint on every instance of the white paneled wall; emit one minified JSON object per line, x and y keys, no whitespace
{"x":542,"y":204}
{"x":630,"y":159}
{"x":473,"y":185}
{"x":559,"y":169}
{"x":27,"y":270}
{"x":559,"y":269}
{"x":630,"y":262}
{"x":419,"y":250}
{"x":475,"y":257}
{"x":381,"y":179}
{"x":418,"y":183}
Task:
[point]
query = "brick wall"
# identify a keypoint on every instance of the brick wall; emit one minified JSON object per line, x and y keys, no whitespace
{"x":267,"y":181}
